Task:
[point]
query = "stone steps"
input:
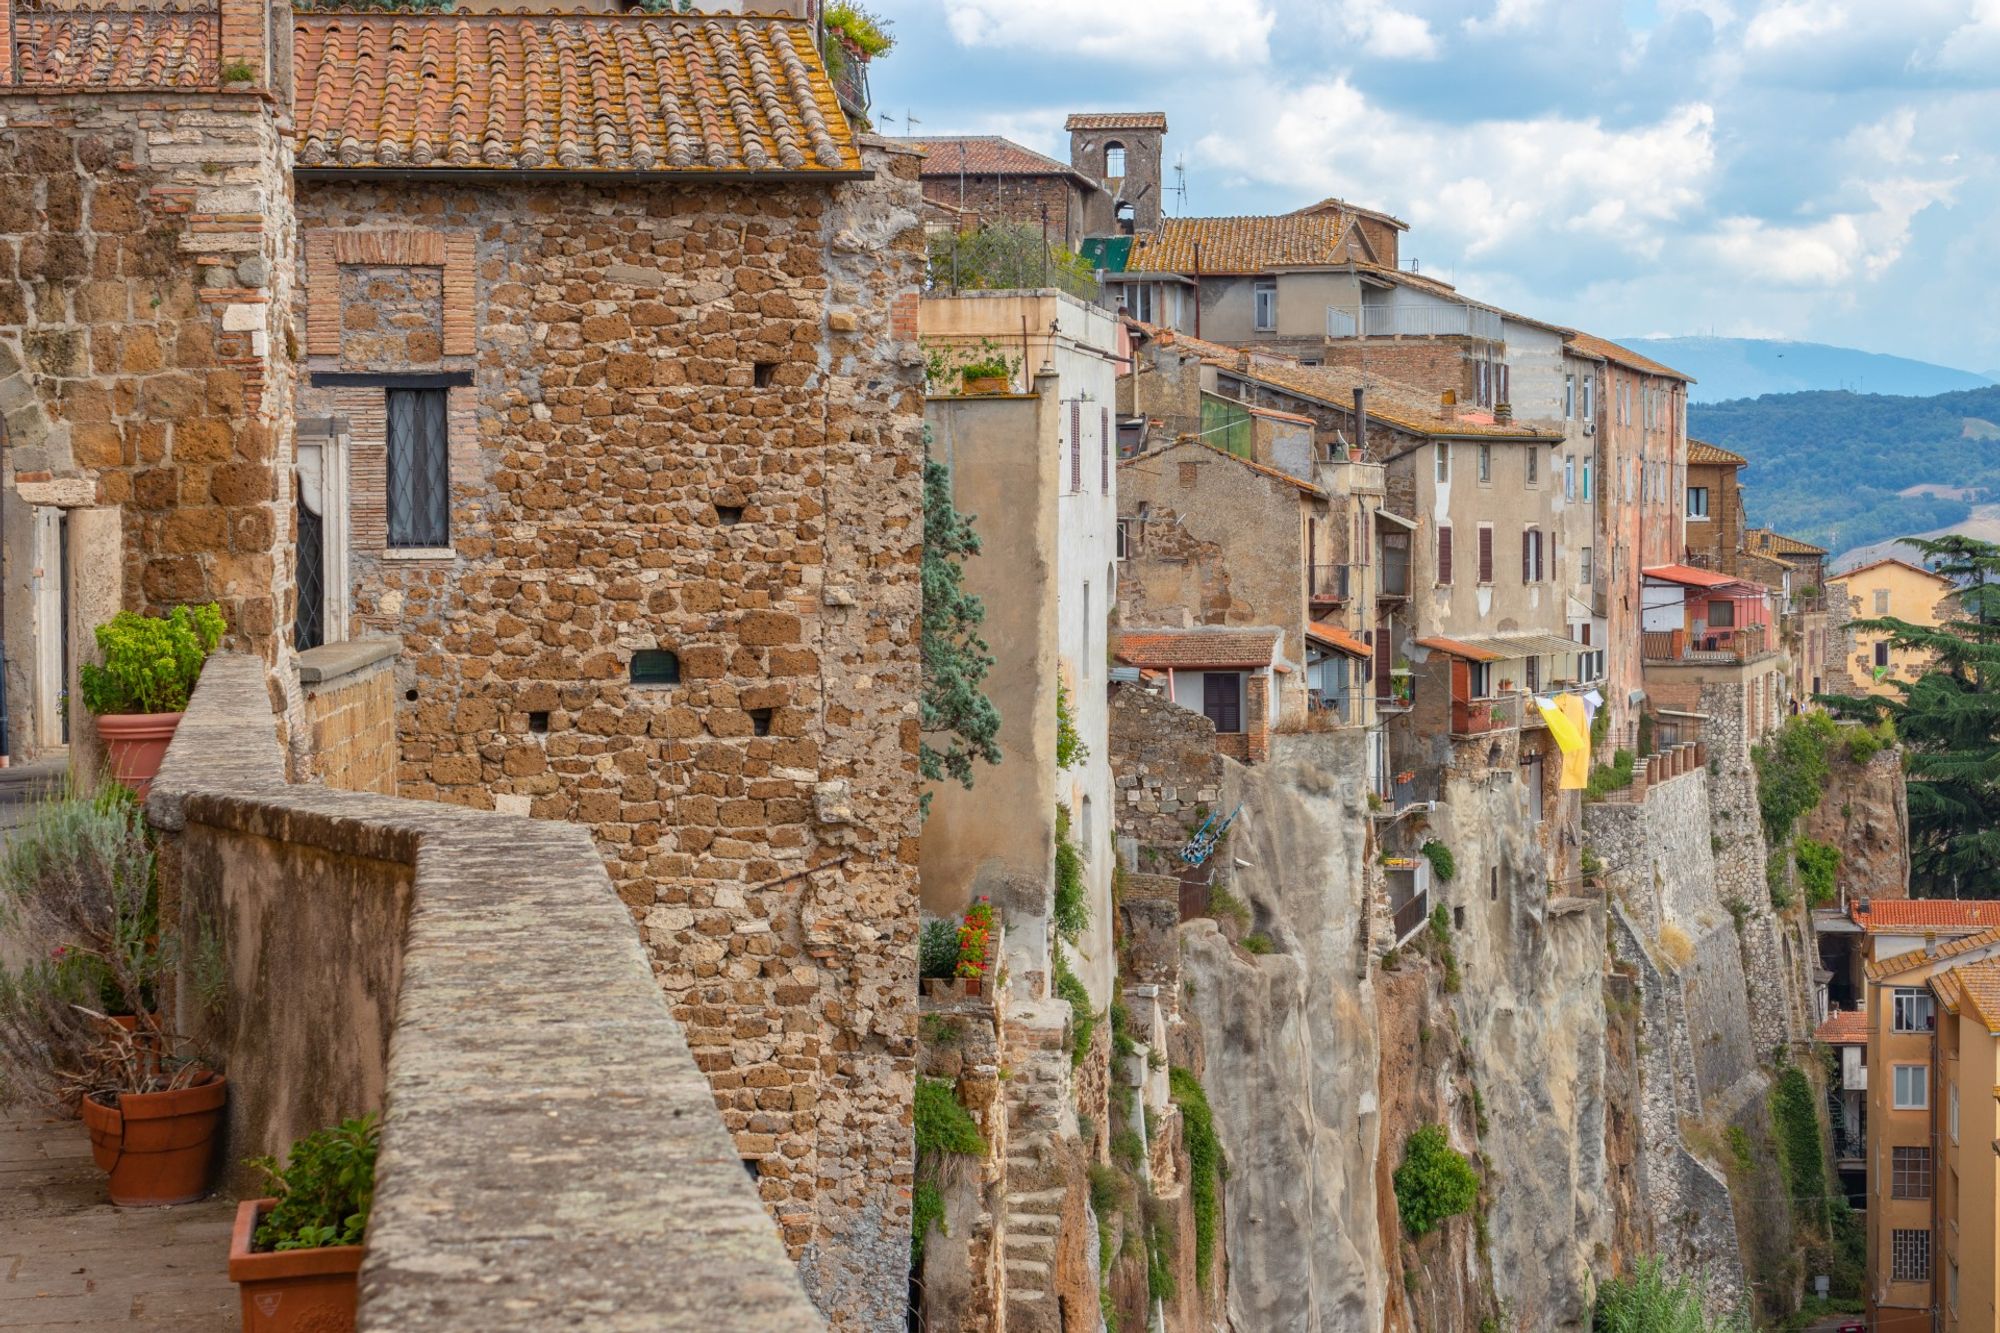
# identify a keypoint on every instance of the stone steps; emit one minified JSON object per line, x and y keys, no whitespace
{"x":1034,"y":1224}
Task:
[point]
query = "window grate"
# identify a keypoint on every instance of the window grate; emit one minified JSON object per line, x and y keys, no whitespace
{"x":1911,"y":1255}
{"x":1910,"y":1173}
{"x":308,"y":626}
{"x":419,"y":469}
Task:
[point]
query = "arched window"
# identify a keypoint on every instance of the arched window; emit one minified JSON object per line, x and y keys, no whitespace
{"x":1126,"y":217}
{"x":1114,"y":161}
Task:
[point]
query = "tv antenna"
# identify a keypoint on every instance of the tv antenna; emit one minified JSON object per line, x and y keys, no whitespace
{"x":1180,"y":185}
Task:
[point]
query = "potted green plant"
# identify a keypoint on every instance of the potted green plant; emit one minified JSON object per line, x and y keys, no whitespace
{"x":79,"y":1029}
{"x":296,"y":1254}
{"x":141,"y":688}
{"x":986,"y":375}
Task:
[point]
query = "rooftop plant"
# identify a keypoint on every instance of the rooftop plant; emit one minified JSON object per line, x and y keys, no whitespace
{"x":151,"y":663}
{"x":323,"y":1191}
{"x":860,"y":30}
{"x":1070,"y":747}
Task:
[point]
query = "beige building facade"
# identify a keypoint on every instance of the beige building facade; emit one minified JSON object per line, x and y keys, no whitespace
{"x":1888,"y":588}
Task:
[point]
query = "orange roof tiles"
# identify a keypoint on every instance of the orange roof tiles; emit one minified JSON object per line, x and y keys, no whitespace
{"x":110,"y":49}
{"x":985,"y":155}
{"x":1844,"y":1027}
{"x":1688,"y":576}
{"x":1888,"y":560}
{"x":1198,"y":649}
{"x":1603,"y":349}
{"x":1242,"y":245}
{"x":1768,"y":541}
{"x":1976,"y":984}
{"x":1916,"y":915}
{"x":1332,"y":204}
{"x":1916,"y":958}
{"x":1117,"y":120}
{"x":1333,"y":636}
{"x":1702,"y":452}
{"x":1441,"y":644}
{"x":1396,"y":404}
{"x":565,"y":92}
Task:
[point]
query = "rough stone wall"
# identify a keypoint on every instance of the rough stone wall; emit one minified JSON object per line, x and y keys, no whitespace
{"x":1164,"y":764}
{"x":1435,"y":363}
{"x":648,"y":361}
{"x":145,"y":258}
{"x":1030,"y":200}
{"x":352,"y":724}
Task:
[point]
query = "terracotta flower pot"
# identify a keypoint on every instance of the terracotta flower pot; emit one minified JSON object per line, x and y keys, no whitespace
{"x":985,"y":383}
{"x":973,"y":984}
{"x":291,"y":1291}
{"x":157,"y":1145}
{"x":136,"y":743}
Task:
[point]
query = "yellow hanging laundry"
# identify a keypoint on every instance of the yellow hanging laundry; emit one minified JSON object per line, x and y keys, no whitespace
{"x":1572,"y":734}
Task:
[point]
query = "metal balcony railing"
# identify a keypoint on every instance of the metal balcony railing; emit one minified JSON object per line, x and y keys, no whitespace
{"x":1413,"y":320}
{"x":1711,"y":645}
{"x":1332,"y":583}
{"x":1394,"y":578}
{"x":1477,"y":717}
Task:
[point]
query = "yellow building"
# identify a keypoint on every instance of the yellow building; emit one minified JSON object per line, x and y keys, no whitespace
{"x":1888,"y":588}
{"x":1925,"y":1224}
{"x":1968,"y":1043}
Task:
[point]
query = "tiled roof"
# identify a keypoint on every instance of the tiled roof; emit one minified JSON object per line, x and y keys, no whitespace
{"x":1330,"y":204}
{"x":1502,"y":647}
{"x":1915,"y":915}
{"x":1242,"y":245}
{"x":985,"y":155}
{"x":1117,"y":120}
{"x":1341,"y":640}
{"x":1976,"y":984}
{"x":1396,"y":404}
{"x":152,"y":49}
{"x":1275,"y":474}
{"x":1603,"y":349}
{"x":1688,"y":576}
{"x":1846,"y":574}
{"x":1844,"y":1027}
{"x":1777,"y":543}
{"x":1438,"y":643}
{"x":1198,"y":649}
{"x":565,"y":92}
{"x":1917,"y":958}
{"x":1702,"y":452}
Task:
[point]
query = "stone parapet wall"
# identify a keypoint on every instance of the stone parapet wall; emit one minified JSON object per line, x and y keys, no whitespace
{"x":350,"y":712}
{"x":1164,"y":765}
{"x":541,"y":1195}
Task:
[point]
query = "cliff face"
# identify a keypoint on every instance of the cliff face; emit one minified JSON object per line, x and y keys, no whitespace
{"x":1865,"y":814}
{"x":1292,"y":1046}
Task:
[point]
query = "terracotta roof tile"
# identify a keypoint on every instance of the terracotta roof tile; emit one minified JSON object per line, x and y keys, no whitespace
{"x":1587,"y":344}
{"x":109,"y":49}
{"x":1396,"y":404}
{"x":1198,"y":649}
{"x":564,"y":92}
{"x":1275,"y":474}
{"x":1702,"y":452}
{"x":1917,"y":958}
{"x":1846,"y":574}
{"x":1976,"y":984}
{"x":1844,"y":1027}
{"x":1767,"y":541}
{"x":1331,"y":204}
{"x":1688,"y":576}
{"x":1117,"y":120}
{"x":1907,"y":915}
{"x":1242,"y":245}
{"x":1470,"y":653}
{"x":1333,"y":636}
{"x":985,"y":155}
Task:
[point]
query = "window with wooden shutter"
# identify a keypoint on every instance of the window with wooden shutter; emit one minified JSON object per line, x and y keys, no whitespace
{"x":1485,"y":554}
{"x":1104,"y":443}
{"x":1075,"y":447}
{"x":1444,"y":553}
{"x":1527,"y":569}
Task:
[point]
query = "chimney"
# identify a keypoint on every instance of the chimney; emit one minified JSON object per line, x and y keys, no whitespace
{"x":1361,"y":420}
{"x":1448,"y":405}
{"x":1503,"y":413}
{"x":1930,"y":944}
{"x":1243,"y":362}
{"x":1862,"y":908}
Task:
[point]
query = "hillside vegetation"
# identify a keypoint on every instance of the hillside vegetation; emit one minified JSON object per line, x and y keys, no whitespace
{"x":1833,"y":467}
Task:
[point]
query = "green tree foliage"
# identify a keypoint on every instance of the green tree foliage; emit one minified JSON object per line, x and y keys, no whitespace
{"x":1647,"y":1300}
{"x":1948,"y":720}
{"x":1443,"y":865}
{"x":1792,"y":770}
{"x":1072,"y":902}
{"x":1006,"y":255}
{"x":937,"y":948}
{"x":1817,"y":862}
{"x":1801,"y":1150}
{"x":1434,"y":1182}
{"x":1204,"y":1164}
{"x":944,"y":1129}
{"x":953,"y":709}
{"x":1069,"y":987}
{"x":1070,"y":747}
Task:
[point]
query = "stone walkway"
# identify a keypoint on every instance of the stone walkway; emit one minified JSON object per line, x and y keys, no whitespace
{"x":72,"y":1263}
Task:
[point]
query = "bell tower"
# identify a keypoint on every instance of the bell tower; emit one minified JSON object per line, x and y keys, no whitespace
{"x":1120,"y":150}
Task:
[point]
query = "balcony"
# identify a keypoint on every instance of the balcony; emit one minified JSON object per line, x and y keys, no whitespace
{"x":1393,"y":581}
{"x":1409,"y":880}
{"x":1331,"y":584}
{"x":1414,"y":320}
{"x":1714,"y":645}
{"x":1479,"y":717}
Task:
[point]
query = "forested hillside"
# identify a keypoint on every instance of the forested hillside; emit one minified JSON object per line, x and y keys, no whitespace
{"x":1837,"y":468}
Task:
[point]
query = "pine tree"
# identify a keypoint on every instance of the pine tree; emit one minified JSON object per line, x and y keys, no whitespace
{"x":1948,"y":720}
{"x":952,"y":707}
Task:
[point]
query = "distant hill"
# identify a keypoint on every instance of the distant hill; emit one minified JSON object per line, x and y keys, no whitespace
{"x":1850,"y":469}
{"x":1727,"y":368}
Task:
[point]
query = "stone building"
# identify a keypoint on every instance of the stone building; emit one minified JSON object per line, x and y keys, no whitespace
{"x":970,"y":180}
{"x":1122,"y":151}
{"x":1715,"y":517}
{"x":606,"y":404}
{"x":1865,"y":659}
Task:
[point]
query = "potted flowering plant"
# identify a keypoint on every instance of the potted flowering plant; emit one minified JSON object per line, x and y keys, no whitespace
{"x":139,"y":691}
{"x":79,"y":1031}
{"x":975,"y":937}
{"x":296,"y":1255}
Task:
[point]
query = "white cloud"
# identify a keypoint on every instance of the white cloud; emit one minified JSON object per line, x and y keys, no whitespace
{"x":1794,"y":22}
{"x":1507,"y":16}
{"x":1159,"y":32}
{"x":1974,"y":46}
{"x":1386,"y":32}
{"x":1834,"y":251}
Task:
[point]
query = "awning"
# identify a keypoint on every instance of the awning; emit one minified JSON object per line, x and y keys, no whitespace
{"x":1688,"y":576}
{"x":1455,"y":648}
{"x":1338,"y":639}
{"x":1677,"y":712}
{"x":1397,"y":519}
{"x":1501,"y":647}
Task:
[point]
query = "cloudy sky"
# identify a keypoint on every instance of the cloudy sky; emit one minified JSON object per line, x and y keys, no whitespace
{"x":1816,"y":169}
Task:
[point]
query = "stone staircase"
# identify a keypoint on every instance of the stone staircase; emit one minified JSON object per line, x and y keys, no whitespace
{"x":1040,"y":1116}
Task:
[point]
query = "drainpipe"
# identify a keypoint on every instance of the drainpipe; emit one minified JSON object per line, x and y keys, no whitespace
{"x":1197,"y":289}
{"x":1361,"y":420}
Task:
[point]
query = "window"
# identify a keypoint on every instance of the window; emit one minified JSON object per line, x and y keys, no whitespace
{"x":1569,"y":397}
{"x":1586,"y":478}
{"x":1534,"y":466}
{"x":1882,"y":653}
{"x":1951,"y":1285}
{"x":1479,"y":680}
{"x":1697,"y":502}
{"x":1139,"y":301}
{"x":1722,"y":615}
{"x":1486,"y":553}
{"x":1910,"y":1255}
{"x":1910,"y":1173}
{"x":1913,"y":1088}
{"x":1114,"y":161}
{"x":1531,"y":555}
{"x":1485,"y":464}
{"x":1124,"y":538}
{"x":1914,"y":1011}
{"x":1222,"y":700}
{"x":1086,"y":628}
{"x":1951,"y":1109}
{"x":1264,"y":297}
{"x":655,"y":666}
{"x":1881,"y":601}
{"x":1531,"y":774}
{"x":1589,"y":396}
{"x":1444,"y":462}
{"x":419,"y":469}
{"x":1444,"y":554}
{"x":1583,"y":565}
{"x":1569,"y":476}
{"x":1075,"y":447}
{"x":1485,"y":393}
{"x":1127,"y":217}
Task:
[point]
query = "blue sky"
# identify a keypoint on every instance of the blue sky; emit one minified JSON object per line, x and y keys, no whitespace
{"x":1818,"y":169}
